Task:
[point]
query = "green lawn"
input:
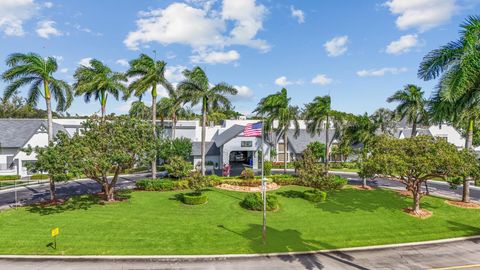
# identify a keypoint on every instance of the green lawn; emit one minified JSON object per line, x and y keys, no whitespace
{"x":156,"y":223}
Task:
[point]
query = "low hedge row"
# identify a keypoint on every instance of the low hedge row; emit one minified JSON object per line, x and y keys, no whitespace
{"x":253,"y":201}
{"x":9,"y":177}
{"x":315,"y":195}
{"x":194,"y":198}
{"x":39,"y":176}
{"x":161,"y":184}
{"x":243,"y":183}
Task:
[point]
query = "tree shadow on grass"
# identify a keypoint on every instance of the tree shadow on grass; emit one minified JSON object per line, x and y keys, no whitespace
{"x":470,"y":230}
{"x":291,"y":194}
{"x":290,"y":241}
{"x":75,"y":203}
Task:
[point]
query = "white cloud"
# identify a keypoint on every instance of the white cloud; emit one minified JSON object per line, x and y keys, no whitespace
{"x":122,"y":62}
{"x":298,"y":14}
{"x":322,"y":79}
{"x":380,"y":72}
{"x":215,"y":57}
{"x":421,"y":14}
{"x":403,"y":45}
{"x":336,"y":46}
{"x":64,"y":70}
{"x":282,"y":81}
{"x":13,"y":13}
{"x":48,"y":4}
{"x":174,"y":74}
{"x":196,"y":25}
{"x":244,"y":93}
{"x":45,"y":29}
{"x":85,"y":61}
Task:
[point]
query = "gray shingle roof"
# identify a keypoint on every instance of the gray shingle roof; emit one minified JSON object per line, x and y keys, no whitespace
{"x":407,"y":132}
{"x":15,"y":133}
{"x":210,"y":148}
{"x":300,"y":143}
{"x":227,"y":135}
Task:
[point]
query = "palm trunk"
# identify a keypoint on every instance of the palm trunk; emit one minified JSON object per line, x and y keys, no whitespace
{"x":204,"y":122}
{"x":414,"y":129}
{"x":174,"y":122}
{"x":285,"y":148}
{"x":468,"y":145}
{"x":103,"y":105}
{"x":327,"y":144}
{"x":154,"y":124}
{"x":48,"y":102}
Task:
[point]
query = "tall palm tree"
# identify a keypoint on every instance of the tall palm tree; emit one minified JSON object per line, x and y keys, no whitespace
{"x":98,"y":80}
{"x":319,"y":116}
{"x":385,"y":119}
{"x":196,"y":89}
{"x":36,"y":71}
{"x":276,"y":108}
{"x":457,"y":64}
{"x":147,"y":73}
{"x":411,"y":107}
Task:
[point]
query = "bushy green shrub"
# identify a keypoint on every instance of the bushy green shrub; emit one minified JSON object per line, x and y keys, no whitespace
{"x":253,"y":201}
{"x":247,"y":174}
{"x":335,"y":165}
{"x":284,"y":179}
{"x":243,"y":183}
{"x":181,"y":147}
{"x":9,"y":177}
{"x":197,"y":182}
{"x":318,"y":149}
{"x":177,"y":167}
{"x":161,"y":184}
{"x":315,"y":195}
{"x":267,"y":168}
{"x":350,"y":165}
{"x":39,"y":176}
{"x":194,"y":198}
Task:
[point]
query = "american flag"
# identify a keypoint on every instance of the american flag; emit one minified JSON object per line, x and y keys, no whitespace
{"x":253,"y":130}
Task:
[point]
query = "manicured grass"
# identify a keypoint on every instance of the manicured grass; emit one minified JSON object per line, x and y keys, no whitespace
{"x":157,"y":223}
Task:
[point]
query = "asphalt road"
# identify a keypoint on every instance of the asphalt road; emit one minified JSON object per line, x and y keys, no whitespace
{"x":454,"y":255}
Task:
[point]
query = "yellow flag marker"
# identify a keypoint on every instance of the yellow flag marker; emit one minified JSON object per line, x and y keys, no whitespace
{"x":55,"y":232}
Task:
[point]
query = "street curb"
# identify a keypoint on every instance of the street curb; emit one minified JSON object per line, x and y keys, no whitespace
{"x":179,"y":258}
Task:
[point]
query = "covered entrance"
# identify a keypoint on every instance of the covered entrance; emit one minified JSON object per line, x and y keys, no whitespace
{"x":239,"y":160}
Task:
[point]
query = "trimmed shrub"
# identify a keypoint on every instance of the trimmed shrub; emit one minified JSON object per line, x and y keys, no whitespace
{"x":315,"y":195}
{"x":194,"y":198}
{"x":197,"y":182}
{"x":161,"y":184}
{"x":9,"y":177}
{"x":177,"y":167}
{"x":243,"y":183}
{"x":247,"y":174}
{"x":39,"y":176}
{"x":284,"y":179}
{"x":253,"y":201}
{"x":267,"y":168}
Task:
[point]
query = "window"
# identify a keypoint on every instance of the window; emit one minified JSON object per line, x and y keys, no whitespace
{"x":246,"y":143}
{"x":280,"y":147}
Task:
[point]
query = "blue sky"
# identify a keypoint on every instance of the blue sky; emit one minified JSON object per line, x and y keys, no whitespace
{"x":358,"y":51}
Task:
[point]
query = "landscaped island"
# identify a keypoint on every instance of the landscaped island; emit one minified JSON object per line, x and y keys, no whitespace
{"x":158,"y":223}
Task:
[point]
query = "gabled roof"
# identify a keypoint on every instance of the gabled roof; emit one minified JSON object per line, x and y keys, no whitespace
{"x":15,"y":133}
{"x":300,"y":143}
{"x":407,"y":132}
{"x":227,"y":135}
{"x":210,"y":149}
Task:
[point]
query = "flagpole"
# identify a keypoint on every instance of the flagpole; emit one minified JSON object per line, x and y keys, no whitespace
{"x":264,"y":191}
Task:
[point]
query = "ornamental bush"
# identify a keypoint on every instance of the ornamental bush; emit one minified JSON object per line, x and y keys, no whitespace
{"x":39,"y":176}
{"x":243,"y":183}
{"x":247,"y":174}
{"x":267,"y":168}
{"x":9,"y":177}
{"x":161,"y":184}
{"x":253,"y":201}
{"x":194,"y":198}
{"x":177,"y":167}
{"x":315,"y":195}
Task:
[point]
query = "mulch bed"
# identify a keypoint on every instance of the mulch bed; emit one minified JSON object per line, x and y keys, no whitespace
{"x":362,"y":188}
{"x":405,"y":193}
{"x":270,"y":186}
{"x":470,"y":205}
{"x":423,"y":214}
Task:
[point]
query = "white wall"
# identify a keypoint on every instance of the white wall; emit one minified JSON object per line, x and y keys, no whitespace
{"x":38,"y":139}
{"x":452,"y":135}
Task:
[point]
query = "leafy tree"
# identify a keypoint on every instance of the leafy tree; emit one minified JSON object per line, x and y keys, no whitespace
{"x":318,"y":149}
{"x":18,"y":107}
{"x":111,"y":146}
{"x":55,"y":159}
{"x":177,"y":167}
{"x":181,"y":147}
{"x":411,"y":107}
{"x":139,"y":110}
{"x":276,"y":107}
{"x":34,"y":70}
{"x":98,"y":80}
{"x":147,"y":73}
{"x":414,"y":160}
{"x":196,"y":89}
{"x":385,"y":120}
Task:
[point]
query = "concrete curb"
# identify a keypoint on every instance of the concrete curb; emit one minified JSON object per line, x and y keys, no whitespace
{"x":179,"y":258}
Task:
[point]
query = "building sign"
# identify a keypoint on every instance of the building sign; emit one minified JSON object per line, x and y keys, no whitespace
{"x":246,"y":143}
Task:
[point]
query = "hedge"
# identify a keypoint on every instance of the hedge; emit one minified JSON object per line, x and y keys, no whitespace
{"x":161,"y":184}
{"x":243,"y":183}
{"x":253,"y":201}
{"x":9,"y":177}
{"x":285,"y":179}
{"x":315,"y":195}
{"x":194,"y":198}
{"x":39,"y":176}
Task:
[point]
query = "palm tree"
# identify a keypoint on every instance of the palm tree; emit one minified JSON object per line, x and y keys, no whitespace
{"x":196,"y":89}
{"x":412,"y":107}
{"x":458,"y":66}
{"x":98,"y":80}
{"x":319,"y":115}
{"x":139,"y":110}
{"x":276,"y":107}
{"x":385,"y":119}
{"x":147,"y":73}
{"x":36,"y":71}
